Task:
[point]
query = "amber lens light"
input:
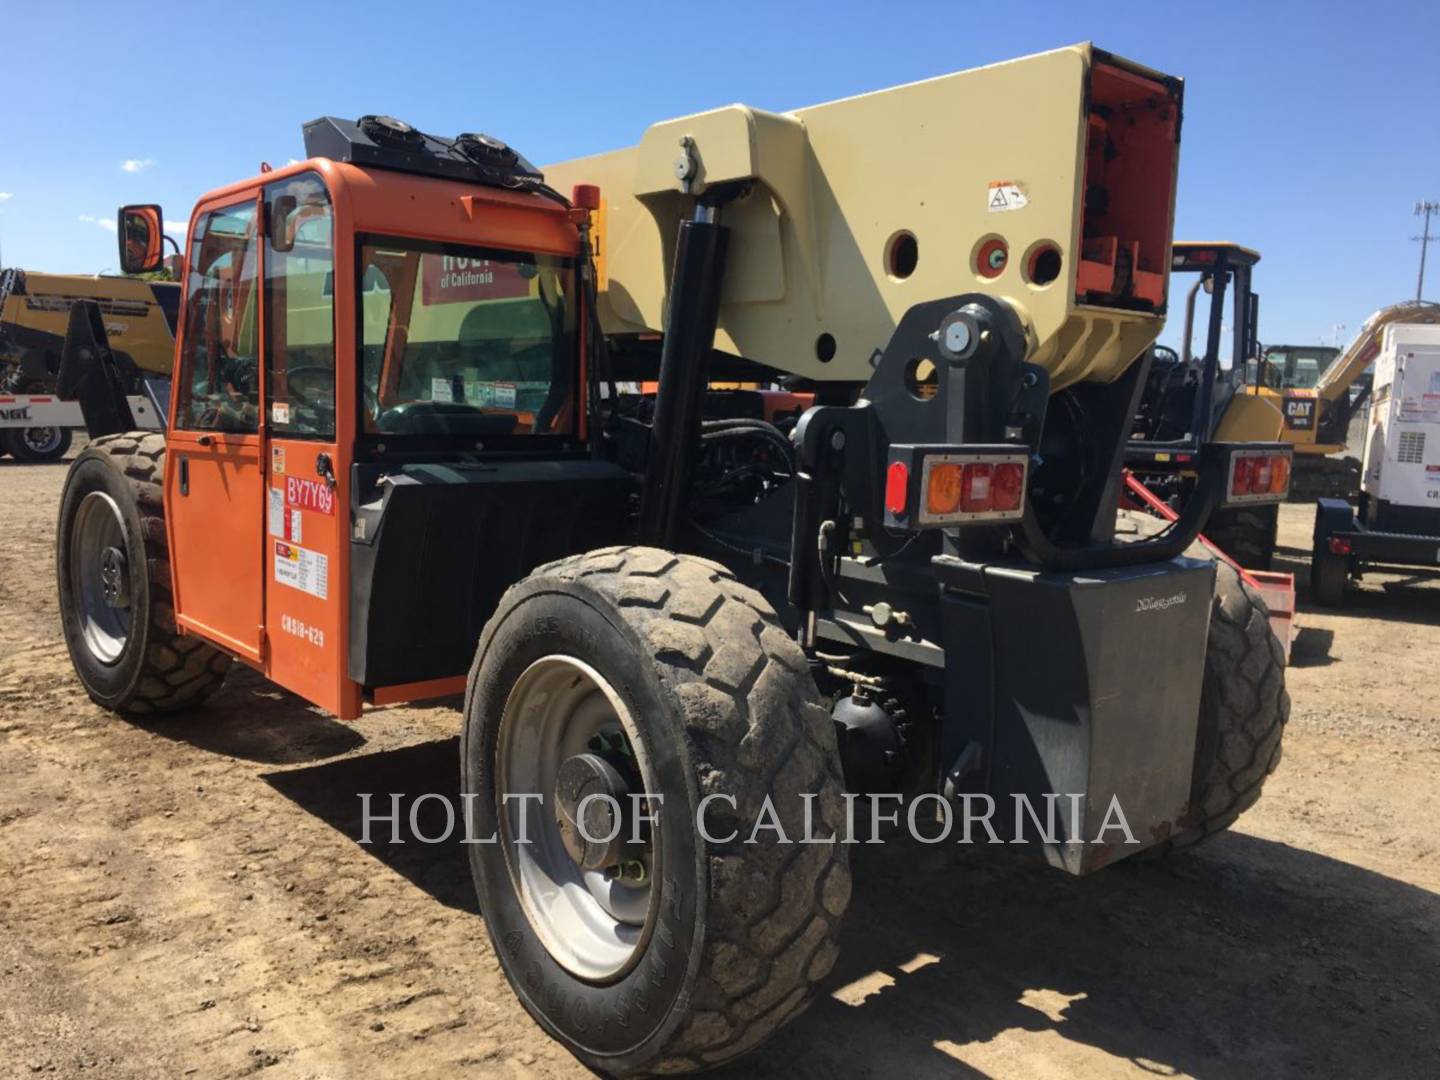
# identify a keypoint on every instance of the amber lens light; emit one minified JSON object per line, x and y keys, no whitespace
{"x":943,"y":494}
{"x":1280,"y":475}
{"x":897,"y":487}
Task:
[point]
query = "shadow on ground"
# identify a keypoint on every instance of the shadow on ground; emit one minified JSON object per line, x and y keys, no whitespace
{"x":1248,"y":957}
{"x":331,"y":791}
{"x":253,"y":719}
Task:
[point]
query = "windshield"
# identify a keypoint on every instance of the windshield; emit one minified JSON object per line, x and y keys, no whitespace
{"x":1298,"y":368}
{"x":466,"y":341}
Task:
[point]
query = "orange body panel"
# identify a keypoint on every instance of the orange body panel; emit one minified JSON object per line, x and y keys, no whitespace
{"x":250,"y":578}
{"x":215,"y":524}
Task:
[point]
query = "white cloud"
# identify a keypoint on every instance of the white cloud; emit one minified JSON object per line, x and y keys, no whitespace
{"x":181,"y":227}
{"x":6,"y":195}
{"x":134,"y":165}
{"x":108,"y":224}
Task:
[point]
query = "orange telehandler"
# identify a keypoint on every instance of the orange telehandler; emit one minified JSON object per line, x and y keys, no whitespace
{"x":400,"y":465}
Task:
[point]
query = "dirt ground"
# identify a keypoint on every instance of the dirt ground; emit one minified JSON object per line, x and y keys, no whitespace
{"x":189,"y":898}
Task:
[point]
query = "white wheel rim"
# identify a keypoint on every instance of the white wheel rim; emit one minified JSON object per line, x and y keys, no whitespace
{"x":592,"y":925}
{"x":41,"y":440}
{"x":99,"y":580}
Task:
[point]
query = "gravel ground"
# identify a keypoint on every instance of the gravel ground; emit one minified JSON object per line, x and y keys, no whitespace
{"x":190,"y":899}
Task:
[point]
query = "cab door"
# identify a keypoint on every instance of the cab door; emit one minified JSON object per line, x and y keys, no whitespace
{"x":305,"y":545}
{"x":214,"y":484}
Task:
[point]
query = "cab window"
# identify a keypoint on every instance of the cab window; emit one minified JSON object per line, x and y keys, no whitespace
{"x":300,"y":309}
{"x":464,"y":341}
{"x":220,"y":384}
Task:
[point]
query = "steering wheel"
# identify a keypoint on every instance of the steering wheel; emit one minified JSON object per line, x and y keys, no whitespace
{"x":313,"y":398}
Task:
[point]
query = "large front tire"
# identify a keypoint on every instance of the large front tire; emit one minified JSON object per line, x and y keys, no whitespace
{"x":113,"y":565}
{"x":688,"y":675}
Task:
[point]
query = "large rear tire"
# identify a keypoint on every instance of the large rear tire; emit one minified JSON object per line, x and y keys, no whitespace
{"x":1243,"y":704}
{"x":684,"y":680}
{"x":113,"y":565}
{"x":1243,"y":710}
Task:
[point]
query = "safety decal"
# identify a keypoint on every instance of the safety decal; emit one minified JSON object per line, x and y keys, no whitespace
{"x":303,"y":569}
{"x":1003,"y":195}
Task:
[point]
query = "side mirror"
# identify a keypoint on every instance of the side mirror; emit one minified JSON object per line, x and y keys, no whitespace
{"x":282,"y":232}
{"x":142,"y":239}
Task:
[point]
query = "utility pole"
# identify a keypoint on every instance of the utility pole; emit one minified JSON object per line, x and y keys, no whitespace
{"x":1425,"y":209}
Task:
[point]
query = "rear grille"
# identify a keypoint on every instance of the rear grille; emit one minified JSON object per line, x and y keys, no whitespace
{"x":1411,"y":450}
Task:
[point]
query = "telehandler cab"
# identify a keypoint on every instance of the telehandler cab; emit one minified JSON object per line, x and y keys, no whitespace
{"x":399,"y":464}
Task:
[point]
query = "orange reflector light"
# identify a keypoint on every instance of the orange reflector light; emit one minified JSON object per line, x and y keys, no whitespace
{"x":585,"y":197}
{"x":945,"y":484}
{"x":1280,"y":475}
{"x":897,"y":487}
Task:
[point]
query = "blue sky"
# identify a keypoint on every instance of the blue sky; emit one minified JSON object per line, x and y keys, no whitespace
{"x":1310,"y":128}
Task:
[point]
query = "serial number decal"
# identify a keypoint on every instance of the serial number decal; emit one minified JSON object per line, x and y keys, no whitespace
{"x":303,"y":569}
{"x":308,"y":494}
{"x":303,"y":630}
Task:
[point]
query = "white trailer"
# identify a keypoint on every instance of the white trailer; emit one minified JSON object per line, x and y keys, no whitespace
{"x":37,"y":427}
{"x":1397,"y":521}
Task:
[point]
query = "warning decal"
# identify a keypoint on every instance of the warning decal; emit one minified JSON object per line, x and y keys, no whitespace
{"x":1003,"y":195}
{"x":300,"y":568}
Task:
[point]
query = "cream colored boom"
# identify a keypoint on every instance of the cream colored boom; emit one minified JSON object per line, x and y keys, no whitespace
{"x":1072,"y":152}
{"x":1335,"y":380}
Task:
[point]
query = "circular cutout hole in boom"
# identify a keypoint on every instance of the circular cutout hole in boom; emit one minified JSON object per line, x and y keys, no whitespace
{"x":922,"y":378}
{"x":1043,"y":264}
{"x":902,"y":255}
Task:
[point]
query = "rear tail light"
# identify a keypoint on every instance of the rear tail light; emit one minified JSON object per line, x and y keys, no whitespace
{"x":1007,"y":487}
{"x":1340,"y":545}
{"x":897,"y":488}
{"x":1258,"y":476}
{"x":957,"y":485}
{"x":975,"y":498}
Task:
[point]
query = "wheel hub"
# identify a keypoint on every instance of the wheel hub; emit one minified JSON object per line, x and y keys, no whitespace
{"x":591,"y":803}
{"x":590,"y":897}
{"x":41,"y":440}
{"x":114,"y":578}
